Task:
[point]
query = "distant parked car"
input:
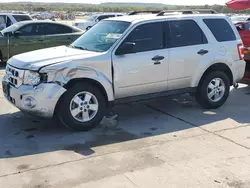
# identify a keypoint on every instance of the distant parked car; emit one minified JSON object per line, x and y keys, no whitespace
{"x":92,"y":20}
{"x":8,"y":19}
{"x":244,"y":31}
{"x":33,"y":35}
{"x":236,"y":19}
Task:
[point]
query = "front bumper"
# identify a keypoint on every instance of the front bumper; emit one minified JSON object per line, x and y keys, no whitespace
{"x":46,"y":96}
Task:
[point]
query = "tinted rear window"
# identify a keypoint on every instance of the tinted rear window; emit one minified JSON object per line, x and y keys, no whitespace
{"x":220,"y":29}
{"x":247,"y":26}
{"x":185,"y":33}
{"x":20,"y":18}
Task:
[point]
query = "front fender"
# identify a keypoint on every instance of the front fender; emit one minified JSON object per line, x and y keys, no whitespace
{"x":69,"y":72}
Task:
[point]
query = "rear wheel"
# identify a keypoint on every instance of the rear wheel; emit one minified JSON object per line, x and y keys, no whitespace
{"x":213,"y":90}
{"x":82,"y":108}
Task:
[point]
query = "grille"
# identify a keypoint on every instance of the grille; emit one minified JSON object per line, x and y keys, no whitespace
{"x":14,"y":76}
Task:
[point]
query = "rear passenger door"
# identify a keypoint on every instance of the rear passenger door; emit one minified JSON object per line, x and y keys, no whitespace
{"x":188,"y":47}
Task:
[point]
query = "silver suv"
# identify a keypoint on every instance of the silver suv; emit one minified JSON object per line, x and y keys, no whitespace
{"x":126,"y":59}
{"x":8,"y":19}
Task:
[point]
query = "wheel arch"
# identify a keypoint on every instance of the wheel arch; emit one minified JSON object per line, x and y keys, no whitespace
{"x":90,"y":81}
{"x":108,"y":96}
{"x":218,"y":67}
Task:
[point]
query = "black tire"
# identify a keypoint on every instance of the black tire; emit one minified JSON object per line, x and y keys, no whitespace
{"x":63,"y":113}
{"x":202,"y":96}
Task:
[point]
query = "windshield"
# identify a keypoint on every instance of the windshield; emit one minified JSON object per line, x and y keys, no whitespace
{"x":92,"y":18}
{"x":101,"y":36}
{"x":239,"y":18}
{"x":11,"y":28}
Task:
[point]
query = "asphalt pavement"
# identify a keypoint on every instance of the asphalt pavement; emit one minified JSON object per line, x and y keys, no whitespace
{"x":169,"y":142}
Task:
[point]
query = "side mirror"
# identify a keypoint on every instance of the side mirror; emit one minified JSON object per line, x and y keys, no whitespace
{"x":88,"y":28}
{"x":17,"y":33}
{"x":125,"y":48}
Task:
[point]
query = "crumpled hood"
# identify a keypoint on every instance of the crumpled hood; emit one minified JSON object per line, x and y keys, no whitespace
{"x":40,"y":58}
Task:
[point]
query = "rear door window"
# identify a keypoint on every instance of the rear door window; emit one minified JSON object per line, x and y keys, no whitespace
{"x":20,"y":18}
{"x":58,"y":29}
{"x":34,"y":29}
{"x":185,"y":33}
{"x":221,"y":29}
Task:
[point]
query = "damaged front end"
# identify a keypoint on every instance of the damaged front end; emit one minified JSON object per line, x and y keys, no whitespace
{"x":37,"y":88}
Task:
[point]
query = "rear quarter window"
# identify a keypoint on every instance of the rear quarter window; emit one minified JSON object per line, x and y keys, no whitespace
{"x":221,"y":29}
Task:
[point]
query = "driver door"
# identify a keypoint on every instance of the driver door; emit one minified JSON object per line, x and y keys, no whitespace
{"x":29,"y":38}
{"x":145,"y":69}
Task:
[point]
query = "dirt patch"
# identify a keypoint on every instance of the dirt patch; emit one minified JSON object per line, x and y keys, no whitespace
{"x":23,"y":167}
{"x":237,"y":184}
{"x":100,"y":140}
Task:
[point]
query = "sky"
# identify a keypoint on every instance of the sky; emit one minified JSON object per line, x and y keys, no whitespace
{"x":173,"y":2}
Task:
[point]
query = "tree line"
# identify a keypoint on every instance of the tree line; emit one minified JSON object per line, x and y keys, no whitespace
{"x":101,"y":8}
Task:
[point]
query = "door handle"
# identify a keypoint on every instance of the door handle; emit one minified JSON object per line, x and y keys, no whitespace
{"x":158,"y":58}
{"x":157,"y":63}
{"x":202,"y":52}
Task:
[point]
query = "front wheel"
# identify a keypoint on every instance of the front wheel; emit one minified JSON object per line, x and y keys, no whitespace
{"x":82,"y":108}
{"x":213,"y":90}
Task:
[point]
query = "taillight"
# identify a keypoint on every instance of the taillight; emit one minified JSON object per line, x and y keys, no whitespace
{"x":241,"y":51}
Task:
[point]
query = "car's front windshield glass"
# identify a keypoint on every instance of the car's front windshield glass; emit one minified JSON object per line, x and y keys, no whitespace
{"x":101,"y":36}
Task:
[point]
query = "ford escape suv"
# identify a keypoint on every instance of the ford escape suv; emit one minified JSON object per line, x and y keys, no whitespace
{"x":127,"y":59}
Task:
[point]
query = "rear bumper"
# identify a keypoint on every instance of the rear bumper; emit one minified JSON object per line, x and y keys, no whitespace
{"x":238,"y":70}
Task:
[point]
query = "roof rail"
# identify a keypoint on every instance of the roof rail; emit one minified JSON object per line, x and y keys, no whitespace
{"x":145,"y":12}
{"x":191,"y":11}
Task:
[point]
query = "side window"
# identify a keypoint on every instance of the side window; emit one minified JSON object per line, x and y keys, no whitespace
{"x":2,"y":22}
{"x":58,"y":29}
{"x":147,"y":37}
{"x":220,"y":29}
{"x":239,"y":27}
{"x":9,"y":22}
{"x":26,"y":30}
{"x":185,"y":33}
{"x":33,"y":29}
{"x":247,"y":26}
